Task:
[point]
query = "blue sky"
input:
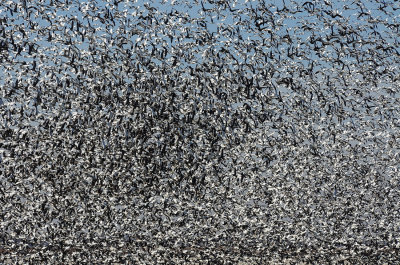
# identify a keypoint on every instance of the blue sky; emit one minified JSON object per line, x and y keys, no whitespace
{"x":214,"y":23}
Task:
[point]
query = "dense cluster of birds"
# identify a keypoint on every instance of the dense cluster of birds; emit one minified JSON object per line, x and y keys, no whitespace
{"x":199,"y":131}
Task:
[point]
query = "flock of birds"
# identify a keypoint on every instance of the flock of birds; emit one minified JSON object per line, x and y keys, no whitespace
{"x":199,"y":131}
